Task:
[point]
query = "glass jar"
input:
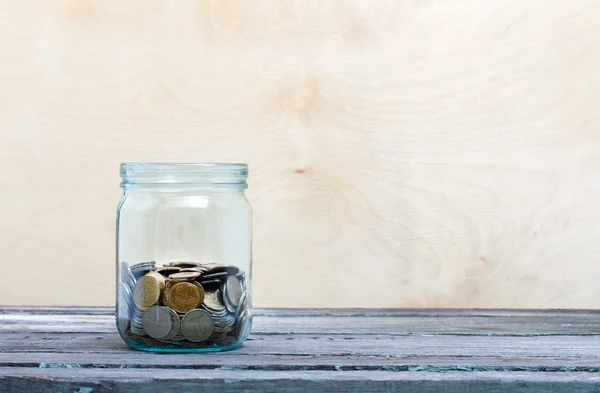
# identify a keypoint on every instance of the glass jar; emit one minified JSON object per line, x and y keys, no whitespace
{"x":184,"y":257}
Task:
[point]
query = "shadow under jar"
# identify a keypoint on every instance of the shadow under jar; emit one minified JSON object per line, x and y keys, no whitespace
{"x":184,"y":257}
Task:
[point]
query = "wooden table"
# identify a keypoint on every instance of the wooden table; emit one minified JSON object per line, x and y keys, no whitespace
{"x":330,"y":350}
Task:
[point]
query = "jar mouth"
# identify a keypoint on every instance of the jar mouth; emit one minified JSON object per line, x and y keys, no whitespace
{"x":181,"y":173}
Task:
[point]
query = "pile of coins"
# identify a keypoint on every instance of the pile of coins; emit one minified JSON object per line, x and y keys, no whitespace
{"x":185,"y":303}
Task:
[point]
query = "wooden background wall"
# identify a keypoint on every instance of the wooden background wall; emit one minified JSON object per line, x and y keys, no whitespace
{"x":436,"y":153}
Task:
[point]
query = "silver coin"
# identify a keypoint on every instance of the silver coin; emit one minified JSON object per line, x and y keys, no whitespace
{"x":126,"y":274}
{"x":229,"y":269}
{"x":125,"y":290}
{"x":213,"y":276}
{"x":167,"y":270}
{"x":124,"y":306}
{"x":184,"y":264}
{"x":123,"y":315}
{"x":157,"y":322}
{"x":140,"y":269}
{"x":210,"y":283}
{"x":178,"y":337}
{"x":137,"y":316}
{"x":244,"y":325}
{"x":242,"y":277}
{"x":137,"y":321}
{"x":191,"y":269}
{"x":243,"y":305}
{"x":232,"y":293}
{"x":224,"y":329}
{"x":212,"y":300}
{"x":224,"y":323}
{"x":215,"y":313}
{"x":197,"y":325}
{"x":209,"y":265}
{"x":143,"y":266}
{"x":176,"y":324}
{"x":137,"y":330}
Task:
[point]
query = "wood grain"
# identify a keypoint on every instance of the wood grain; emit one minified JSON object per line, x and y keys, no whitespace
{"x":321,"y":350}
{"x":402,"y":153}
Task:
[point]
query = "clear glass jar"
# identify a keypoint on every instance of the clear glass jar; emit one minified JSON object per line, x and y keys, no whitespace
{"x":184,"y":257}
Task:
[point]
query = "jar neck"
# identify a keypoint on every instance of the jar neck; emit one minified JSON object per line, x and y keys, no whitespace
{"x":180,"y":189}
{"x":171,"y":177}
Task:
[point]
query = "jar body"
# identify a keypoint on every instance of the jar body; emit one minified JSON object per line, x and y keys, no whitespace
{"x":184,"y":266}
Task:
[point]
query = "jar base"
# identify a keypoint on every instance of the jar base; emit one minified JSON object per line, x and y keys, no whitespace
{"x":139,"y":345}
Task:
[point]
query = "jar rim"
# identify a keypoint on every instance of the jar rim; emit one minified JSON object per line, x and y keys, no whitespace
{"x":194,"y":173}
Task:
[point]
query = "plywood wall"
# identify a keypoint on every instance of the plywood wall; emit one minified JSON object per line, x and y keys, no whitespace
{"x":402,"y":153}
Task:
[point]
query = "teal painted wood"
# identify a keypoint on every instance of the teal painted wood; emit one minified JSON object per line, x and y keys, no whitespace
{"x":78,"y":350}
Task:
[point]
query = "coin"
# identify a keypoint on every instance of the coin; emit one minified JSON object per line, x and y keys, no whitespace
{"x":212,"y":284}
{"x":209,"y":265}
{"x":185,"y":276}
{"x":243,"y":305}
{"x":232,"y":292}
{"x":126,"y":275}
{"x":212,"y":300}
{"x":183,"y":264}
{"x":158,"y":277}
{"x":178,"y":337}
{"x":176,"y":324}
{"x":197,"y":325}
{"x":124,"y":309}
{"x":229,"y":269}
{"x":124,"y":305}
{"x":192,"y":269}
{"x":146,"y":292}
{"x":184,"y":297}
{"x":200,"y":290}
{"x":244,"y":325}
{"x":157,"y":322}
{"x":165,"y":298}
{"x":232,"y":270}
{"x":136,"y":323}
{"x":242,"y":277}
{"x":223,"y":323}
{"x":140,"y":269}
{"x":212,"y":276}
{"x":167,"y":270}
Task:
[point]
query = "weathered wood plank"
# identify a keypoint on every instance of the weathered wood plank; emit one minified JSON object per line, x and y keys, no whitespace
{"x":125,"y":359}
{"x":160,"y":381}
{"x":52,"y":350}
{"x":397,"y":322}
{"x":302,"y":312}
{"x":345,"y":345}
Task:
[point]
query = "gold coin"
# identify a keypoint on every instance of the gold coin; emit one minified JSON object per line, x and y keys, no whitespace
{"x":201,"y":290}
{"x":159,"y":278}
{"x":146,"y":292}
{"x":184,"y":297}
{"x":165,"y":298}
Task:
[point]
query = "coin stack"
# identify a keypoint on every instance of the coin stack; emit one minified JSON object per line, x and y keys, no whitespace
{"x":183,"y":302}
